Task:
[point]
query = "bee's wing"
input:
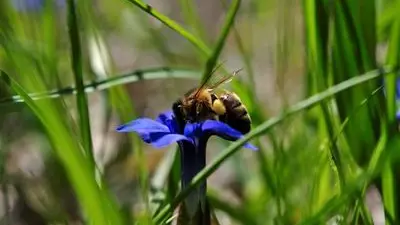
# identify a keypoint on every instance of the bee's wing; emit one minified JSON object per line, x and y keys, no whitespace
{"x":219,"y":91}
{"x":216,"y":80}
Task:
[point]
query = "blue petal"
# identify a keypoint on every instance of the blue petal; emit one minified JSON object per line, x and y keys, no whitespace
{"x":193,"y":130}
{"x":161,"y":140}
{"x":152,"y":132}
{"x":143,"y":125}
{"x":250,"y":146}
{"x":167,"y":118}
{"x":164,"y":116}
{"x":225,"y":131}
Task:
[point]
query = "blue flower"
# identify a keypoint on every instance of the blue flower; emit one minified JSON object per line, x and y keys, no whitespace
{"x":192,"y":140}
{"x":164,"y":131}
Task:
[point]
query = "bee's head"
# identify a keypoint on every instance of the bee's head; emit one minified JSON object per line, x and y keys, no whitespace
{"x":184,"y":110}
{"x":194,"y":108}
{"x":179,"y":114}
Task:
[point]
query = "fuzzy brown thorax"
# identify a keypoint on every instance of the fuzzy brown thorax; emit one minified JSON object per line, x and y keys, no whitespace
{"x":197,"y":107}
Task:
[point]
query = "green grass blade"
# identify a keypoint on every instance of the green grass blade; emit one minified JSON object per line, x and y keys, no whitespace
{"x":317,"y":20}
{"x":193,"y":18}
{"x":392,"y":58}
{"x":389,"y":193}
{"x":108,"y":83}
{"x":362,"y":21}
{"x":229,"y":21}
{"x":385,"y":20}
{"x":354,"y":46}
{"x":199,"y":44}
{"x":173,"y":25}
{"x":358,"y":185}
{"x":389,"y":180}
{"x":76,"y":55}
{"x":80,"y":173}
{"x":335,"y":203}
{"x":265,"y":127}
{"x":354,"y":53}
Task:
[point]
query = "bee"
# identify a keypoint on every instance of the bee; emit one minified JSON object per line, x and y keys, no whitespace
{"x":204,"y":102}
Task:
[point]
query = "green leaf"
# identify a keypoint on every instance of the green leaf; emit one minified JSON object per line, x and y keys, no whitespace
{"x":76,"y":55}
{"x":210,"y":64}
{"x":173,"y":25}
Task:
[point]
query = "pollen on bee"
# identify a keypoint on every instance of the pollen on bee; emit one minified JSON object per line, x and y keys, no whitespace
{"x":218,"y":107}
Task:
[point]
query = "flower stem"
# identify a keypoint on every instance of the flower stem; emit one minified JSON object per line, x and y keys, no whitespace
{"x":194,"y":209}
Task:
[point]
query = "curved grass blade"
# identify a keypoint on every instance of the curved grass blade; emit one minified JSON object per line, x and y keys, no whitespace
{"x":317,"y":33}
{"x":392,"y":58}
{"x":360,"y":206}
{"x":385,"y":20}
{"x":199,"y":44}
{"x":389,"y":183}
{"x":211,"y":61}
{"x":99,"y":85}
{"x":76,"y":55}
{"x":266,"y":126}
{"x":173,"y":25}
{"x":335,"y":203}
{"x":192,"y":17}
{"x":375,"y":167}
{"x":80,"y":173}
{"x":391,"y":200}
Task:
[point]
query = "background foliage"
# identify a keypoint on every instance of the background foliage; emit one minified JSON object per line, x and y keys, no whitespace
{"x":312,"y":81}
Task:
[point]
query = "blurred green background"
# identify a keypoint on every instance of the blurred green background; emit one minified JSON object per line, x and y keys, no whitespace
{"x":329,"y":159}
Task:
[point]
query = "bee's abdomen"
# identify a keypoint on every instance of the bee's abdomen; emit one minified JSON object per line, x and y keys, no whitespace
{"x":236,"y":114}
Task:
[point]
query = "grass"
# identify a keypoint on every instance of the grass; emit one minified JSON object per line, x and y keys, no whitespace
{"x":321,"y":146}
